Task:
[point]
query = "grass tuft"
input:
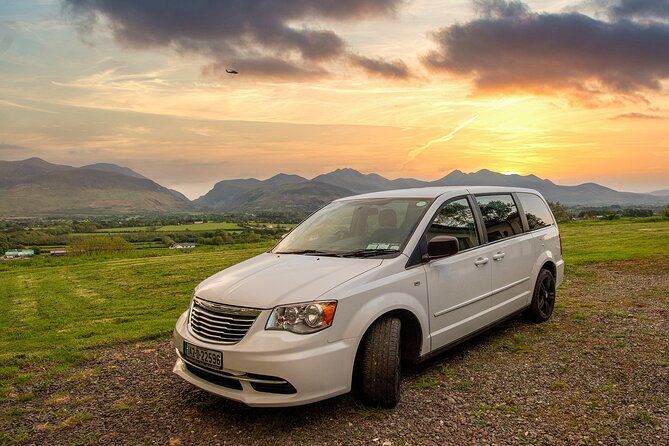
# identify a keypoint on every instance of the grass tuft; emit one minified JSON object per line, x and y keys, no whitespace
{"x":516,"y":343}
{"x":463,"y":386}
{"x":427,"y":381}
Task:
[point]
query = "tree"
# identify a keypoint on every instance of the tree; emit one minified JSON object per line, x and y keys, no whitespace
{"x":665,"y":211}
{"x":4,"y":243}
{"x":84,"y":226}
{"x":252,"y":236}
{"x":560,"y":212}
{"x":167,"y":240}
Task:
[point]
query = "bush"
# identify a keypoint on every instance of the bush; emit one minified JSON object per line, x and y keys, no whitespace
{"x":99,"y":245}
{"x":561,"y":213}
{"x":4,"y":244}
{"x":167,"y":241}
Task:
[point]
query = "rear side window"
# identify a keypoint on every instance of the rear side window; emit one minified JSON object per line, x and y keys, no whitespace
{"x":500,"y":216}
{"x":457,"y":220}
{"x":537,"y":213}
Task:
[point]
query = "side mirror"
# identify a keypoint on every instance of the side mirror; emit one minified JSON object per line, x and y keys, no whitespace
{"x":441,"y":246}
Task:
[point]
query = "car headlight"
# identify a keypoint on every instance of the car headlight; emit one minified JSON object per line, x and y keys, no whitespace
{"x":302,"y":318}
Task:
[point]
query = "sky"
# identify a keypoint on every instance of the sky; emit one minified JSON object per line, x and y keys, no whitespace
{"x":574,"y":91}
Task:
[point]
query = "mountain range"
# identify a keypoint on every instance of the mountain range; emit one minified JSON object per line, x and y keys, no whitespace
{"x":36,"y":187}
{"x":292,"y":192}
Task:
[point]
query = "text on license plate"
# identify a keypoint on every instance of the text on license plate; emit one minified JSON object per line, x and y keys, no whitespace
{"x":203,"y":356}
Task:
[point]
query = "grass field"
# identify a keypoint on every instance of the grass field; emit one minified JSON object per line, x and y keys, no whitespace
{"x":57,"y":313}
{"x":53,"y":310}
{"x":587,"y":242}
{"x":210,"y":226}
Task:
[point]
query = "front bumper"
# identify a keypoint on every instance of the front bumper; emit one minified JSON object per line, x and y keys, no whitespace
{"x":261,"y":368}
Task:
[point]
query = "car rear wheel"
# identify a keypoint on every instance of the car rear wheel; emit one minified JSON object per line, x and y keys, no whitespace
{"x":381,"y":359}
{"x":543,"y":299}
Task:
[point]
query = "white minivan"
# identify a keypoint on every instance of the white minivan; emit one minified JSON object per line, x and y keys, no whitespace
{"x":366,"y":283}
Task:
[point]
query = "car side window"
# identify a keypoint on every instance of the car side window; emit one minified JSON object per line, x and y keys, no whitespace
{"x":456,"y":219}
{"x":537,"y":213}
{"x":500,"y":216}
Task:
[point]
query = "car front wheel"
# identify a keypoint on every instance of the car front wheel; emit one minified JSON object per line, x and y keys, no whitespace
{"x":381,"y":358}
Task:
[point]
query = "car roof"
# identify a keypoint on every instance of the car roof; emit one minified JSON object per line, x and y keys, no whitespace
{"x":434,"y":192}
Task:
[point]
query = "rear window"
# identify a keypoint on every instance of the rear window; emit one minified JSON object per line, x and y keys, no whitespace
{"x":500,"y":216}
{"x":537,"y":213}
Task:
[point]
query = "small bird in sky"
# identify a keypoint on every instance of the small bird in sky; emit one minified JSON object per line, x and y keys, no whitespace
{"x":229,"y":71}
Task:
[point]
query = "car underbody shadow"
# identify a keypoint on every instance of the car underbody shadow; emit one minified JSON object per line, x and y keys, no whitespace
{"x":461,"y":349}
{"x":245,"y":417}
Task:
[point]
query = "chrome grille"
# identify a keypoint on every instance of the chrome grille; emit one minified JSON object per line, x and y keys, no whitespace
{"x":220,"y":323}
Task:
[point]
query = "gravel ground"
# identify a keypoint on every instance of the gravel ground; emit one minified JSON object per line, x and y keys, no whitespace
{"x":597,"y":373}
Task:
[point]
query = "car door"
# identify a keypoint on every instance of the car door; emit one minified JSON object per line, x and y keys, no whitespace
{"x":457,"y":285}
{"x":512,"y":253}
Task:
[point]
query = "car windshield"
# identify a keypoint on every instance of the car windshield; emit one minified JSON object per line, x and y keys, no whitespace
{"x":358,"y":227}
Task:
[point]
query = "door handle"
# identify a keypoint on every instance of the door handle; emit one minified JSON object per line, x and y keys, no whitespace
{"x":481,"y":261}
{"x":499,"y":256}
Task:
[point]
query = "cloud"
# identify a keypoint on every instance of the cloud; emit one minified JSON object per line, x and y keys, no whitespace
{"x":268,"y":38}
{"x":640,"y":116}
{"x":647,"y":9}
{"x":396,"y":69}
{"x":12,"y":151}
{"x":510,"y":48}
{"x":6,"y":43}
{"x":12,"y":148}
{"x":6,"y":103}
{"x":498,"y":9}
{"x":449,"y":136}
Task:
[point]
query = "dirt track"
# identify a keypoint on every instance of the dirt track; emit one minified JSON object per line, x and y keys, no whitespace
{"x":597,"y":372}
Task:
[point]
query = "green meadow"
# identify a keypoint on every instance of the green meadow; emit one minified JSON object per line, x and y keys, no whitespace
{"x":209,"y":226}
{"x":55,"y":311}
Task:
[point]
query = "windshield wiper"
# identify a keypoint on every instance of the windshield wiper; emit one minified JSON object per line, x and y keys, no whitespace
{"x":368,"y":252}
{"x":313,"y":252}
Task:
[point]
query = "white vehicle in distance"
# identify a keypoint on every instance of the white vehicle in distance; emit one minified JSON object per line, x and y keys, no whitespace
{"x":366,"y":283}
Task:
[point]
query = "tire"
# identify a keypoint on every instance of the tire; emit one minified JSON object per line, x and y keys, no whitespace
{"x":381,"y":359}
{"x":543,"y":299}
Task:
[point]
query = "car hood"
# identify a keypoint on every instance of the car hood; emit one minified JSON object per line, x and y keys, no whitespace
{"x":268,"y":280}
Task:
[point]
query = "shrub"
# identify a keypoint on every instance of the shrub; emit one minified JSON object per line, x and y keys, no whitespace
{"x":4,"y":244}
{"x":99,"y":245}
{"x":560,"y":212}
{"x":167,"y":241}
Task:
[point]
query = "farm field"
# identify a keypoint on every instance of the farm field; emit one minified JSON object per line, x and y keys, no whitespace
{"x":209,"y":226}
{"x":85,"y":358}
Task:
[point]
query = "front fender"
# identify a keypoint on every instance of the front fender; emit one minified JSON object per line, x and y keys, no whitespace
{"x":406,"y":290}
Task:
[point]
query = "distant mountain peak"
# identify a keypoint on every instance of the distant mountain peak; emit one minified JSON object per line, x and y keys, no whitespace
{"x":115,"y":168}
{"x":34,"y":159}
{"x":283,"y":177}
{"x":36,"y":162}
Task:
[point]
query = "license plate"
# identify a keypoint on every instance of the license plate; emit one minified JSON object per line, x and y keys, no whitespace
{"x":203,"y":356}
